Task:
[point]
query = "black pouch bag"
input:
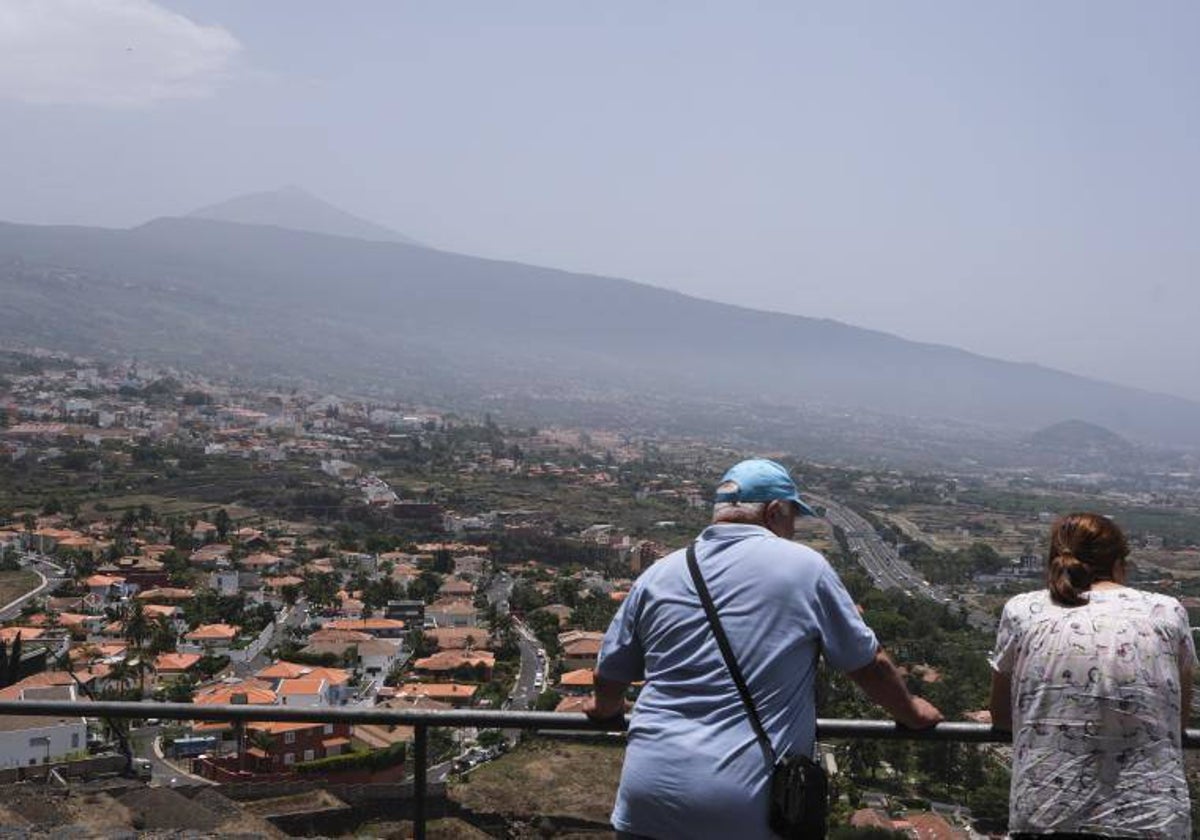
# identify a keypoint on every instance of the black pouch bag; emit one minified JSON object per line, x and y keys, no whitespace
{"x":799,"y":804}
{"x":799,"y":798}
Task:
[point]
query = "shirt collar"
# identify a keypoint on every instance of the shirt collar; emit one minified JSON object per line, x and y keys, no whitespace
{"x":733,"y":531}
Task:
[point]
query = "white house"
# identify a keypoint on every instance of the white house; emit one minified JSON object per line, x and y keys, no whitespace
{"x":25,"y":741}
{"x":304,"y":692}
{"x":376,"y":658}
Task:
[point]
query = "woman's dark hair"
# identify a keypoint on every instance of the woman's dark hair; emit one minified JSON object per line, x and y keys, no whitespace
{"x":1084,"y":548}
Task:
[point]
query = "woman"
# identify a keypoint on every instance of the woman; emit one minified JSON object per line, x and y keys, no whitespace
{"x":1094,"y":680}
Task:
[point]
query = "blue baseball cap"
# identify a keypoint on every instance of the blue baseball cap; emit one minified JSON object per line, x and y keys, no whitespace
{"x":760,"y":480}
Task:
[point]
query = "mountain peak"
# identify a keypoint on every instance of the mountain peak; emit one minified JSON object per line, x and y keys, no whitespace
{"x":295,"y":208}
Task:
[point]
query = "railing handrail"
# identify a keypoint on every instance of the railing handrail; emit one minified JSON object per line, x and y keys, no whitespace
{"x":422,"y":719}
{"x":480,"y":718}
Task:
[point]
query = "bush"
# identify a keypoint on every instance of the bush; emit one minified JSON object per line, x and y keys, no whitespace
{"x":371,"y":761}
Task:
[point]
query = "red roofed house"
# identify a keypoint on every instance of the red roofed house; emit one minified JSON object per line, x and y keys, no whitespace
{"x":577,"y":682}
{"x":213,"y":639}
{"x":456,"y":588}
{"x":452,"y":612}
{"x":459,"y":638}
{"x":580,"y":648}
{"x":278,"y":745}
{"x":380,"y":628}
{"x":456,"y":694}
{"x":166,"y":595}
{"x":108,"y":588}
{"x":175,"y":664}
{"x":475,"y":665}
{"x":337,"y":680}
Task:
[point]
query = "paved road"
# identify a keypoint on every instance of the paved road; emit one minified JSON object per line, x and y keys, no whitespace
{"x":51,"y":574}
{"x":499,"y":590}
{"x":882,"y":562}
{"x":525,"y":692}
{"x":295,"y":616}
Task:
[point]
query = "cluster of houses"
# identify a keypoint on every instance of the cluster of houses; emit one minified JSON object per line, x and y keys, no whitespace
{"x":341,"y":652}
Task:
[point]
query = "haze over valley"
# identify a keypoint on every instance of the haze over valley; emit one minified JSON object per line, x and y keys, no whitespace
{"x":281,"y":298}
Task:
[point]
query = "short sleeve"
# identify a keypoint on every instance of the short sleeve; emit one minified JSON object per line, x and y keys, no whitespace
{"x":847,"y":642}
{"x":621,"y":657}
{"x":1008,"y":638}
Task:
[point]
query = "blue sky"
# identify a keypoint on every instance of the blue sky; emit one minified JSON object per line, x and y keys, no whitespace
{"x":1016,"y":179}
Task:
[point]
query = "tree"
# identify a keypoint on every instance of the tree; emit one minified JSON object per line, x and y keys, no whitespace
{"x":137,"y":624}
{"x":547,"y":701}
{"x":261,"y":739}
{"x":162,"y":636}
{"x":416,"y":641}
{"x":545,"y":626}
{"x":138,"y":668}
{"x":223,"y":523}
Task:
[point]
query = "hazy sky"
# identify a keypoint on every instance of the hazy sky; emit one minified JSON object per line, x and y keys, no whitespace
{"x":1017,"y":179}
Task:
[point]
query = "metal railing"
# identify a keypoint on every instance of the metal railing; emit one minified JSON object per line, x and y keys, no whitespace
{"x":422,"y":720}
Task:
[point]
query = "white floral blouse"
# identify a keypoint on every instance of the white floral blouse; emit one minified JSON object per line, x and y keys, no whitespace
{"x":1095,"y":700}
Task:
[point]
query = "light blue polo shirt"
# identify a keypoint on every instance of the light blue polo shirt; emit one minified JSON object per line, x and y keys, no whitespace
{"x":693,"y":767}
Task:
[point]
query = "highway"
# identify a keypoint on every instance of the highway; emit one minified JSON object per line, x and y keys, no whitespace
{"x":880,"y":560}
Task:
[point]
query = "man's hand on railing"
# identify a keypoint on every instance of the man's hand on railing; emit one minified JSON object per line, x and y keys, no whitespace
{"x":922,"y":715}
{"x":606,"y":707}
{"x":613,"y":720}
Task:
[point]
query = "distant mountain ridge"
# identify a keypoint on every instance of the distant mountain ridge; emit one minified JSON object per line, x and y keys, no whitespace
{"x":244,"y":299}
{"x":296,"y":209}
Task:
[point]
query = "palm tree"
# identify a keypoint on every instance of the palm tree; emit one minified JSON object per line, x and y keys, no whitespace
{"x":137,"y":624}
{"x":162,"y":636}
{"x":139,"y":668}
{"x":120,"y":672}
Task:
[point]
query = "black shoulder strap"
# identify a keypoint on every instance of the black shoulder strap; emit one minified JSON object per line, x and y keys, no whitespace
{"x":714,"y":622}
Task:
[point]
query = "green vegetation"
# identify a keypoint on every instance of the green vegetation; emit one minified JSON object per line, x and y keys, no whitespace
{"x":14,"y":584}
{"x":371,"y":760}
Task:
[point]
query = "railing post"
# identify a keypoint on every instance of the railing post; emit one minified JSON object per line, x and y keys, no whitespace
{"x":420,"y":764}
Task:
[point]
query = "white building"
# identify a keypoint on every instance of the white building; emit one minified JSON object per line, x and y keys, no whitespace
{"x":26,"y":741}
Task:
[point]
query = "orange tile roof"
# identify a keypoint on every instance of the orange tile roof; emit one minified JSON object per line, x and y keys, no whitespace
{"x":365,"y":625}
{"x":166,"y":593}
{"x":292,"y":688}
{"x":262,"y":559}
{"x":448,"y":660}
{"x":448,"y":638}
{"x":175,"y":661}
{"x":223,"y":694}
{"x":571,"y":704}
{"x":582,"y":647}
{"x":73,"y":619}
{"x":213,"y":632}
{"x":328,"y":634}
{"x":333,"y":676}
{"x":8,"y":634}
{"x":440,"y":691}
{"x":580,"y":678}
{"x":104,"y":580}
{"x":283,"y":671}
{"x":274,"y":727}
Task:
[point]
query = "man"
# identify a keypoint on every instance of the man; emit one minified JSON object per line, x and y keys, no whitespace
{"x":693,"y":767}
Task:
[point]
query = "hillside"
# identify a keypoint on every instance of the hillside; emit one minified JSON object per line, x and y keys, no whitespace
{"x":1080,"y":436}
{"x":264,"y":301}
